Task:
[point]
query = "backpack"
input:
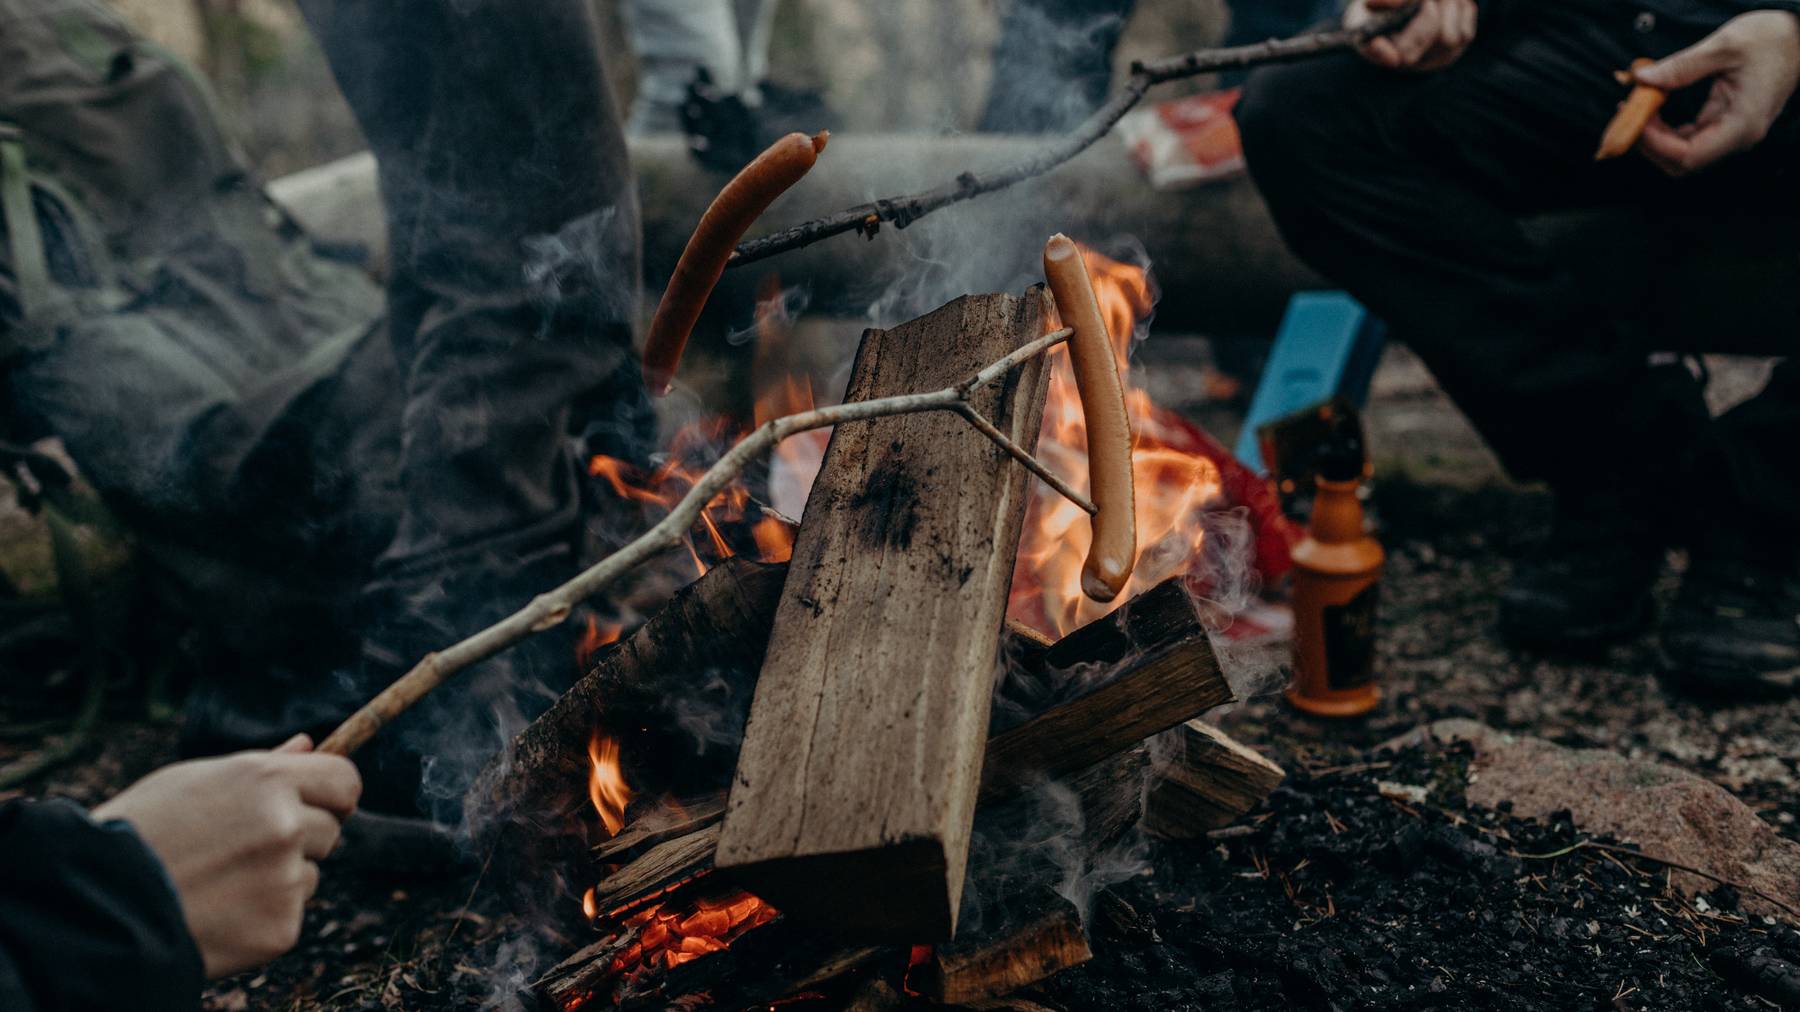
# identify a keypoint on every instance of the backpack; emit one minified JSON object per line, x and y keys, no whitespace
{"x":200,"y":361}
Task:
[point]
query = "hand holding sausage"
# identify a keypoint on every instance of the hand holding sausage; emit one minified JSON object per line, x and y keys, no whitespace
{"x":1753,"y":61}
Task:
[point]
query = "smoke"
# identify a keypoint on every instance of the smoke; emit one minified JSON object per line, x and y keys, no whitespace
{"x":779,"y":311}
{"x":576,"y":268}
{"x":1043,"y":842}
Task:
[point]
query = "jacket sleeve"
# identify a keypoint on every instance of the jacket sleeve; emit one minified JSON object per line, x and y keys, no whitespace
{"x":88,"y":917}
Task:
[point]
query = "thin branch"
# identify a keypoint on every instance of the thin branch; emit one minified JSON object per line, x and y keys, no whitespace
{"x":903,"y":211}
{"x":551,"y":609}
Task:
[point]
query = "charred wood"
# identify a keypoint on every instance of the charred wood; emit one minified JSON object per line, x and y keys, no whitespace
{"x":1042,"y":938}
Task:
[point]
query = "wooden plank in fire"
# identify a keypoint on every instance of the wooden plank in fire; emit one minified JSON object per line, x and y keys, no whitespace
{"x":857,"y":780}
{"x":1174,"y":676}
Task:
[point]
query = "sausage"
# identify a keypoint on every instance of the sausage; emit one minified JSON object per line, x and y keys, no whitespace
{"x":1114,"y":550}
{"x":730,"y":215}
{"x":1633,"y":116}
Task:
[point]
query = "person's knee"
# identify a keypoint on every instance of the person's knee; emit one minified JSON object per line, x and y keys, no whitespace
{"x":1290,"y":118}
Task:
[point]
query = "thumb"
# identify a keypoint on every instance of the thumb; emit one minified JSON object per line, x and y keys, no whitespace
{"x":298,"y":743}
{"x":1697,"y":62}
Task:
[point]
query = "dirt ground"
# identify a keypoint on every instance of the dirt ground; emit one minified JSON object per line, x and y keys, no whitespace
{"x":1337,"y":897}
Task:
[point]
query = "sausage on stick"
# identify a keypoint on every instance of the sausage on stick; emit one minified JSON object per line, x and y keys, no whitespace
{"x":1633,"y":116}
{"x":730,"y":215}
{"x":1114,"y":550}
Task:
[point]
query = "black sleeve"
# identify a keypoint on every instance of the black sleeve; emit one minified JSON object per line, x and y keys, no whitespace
{"x":88,"y":918}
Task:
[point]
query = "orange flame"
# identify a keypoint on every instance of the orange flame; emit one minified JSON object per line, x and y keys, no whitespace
{"x":594,"y":636}
{"x":1173,"y":487}
{"x":606,"y":783}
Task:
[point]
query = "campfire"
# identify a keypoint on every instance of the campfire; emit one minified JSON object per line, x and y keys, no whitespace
{"x":712,"y":867}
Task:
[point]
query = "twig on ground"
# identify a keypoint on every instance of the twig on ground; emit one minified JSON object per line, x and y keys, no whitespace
{"x":903,"y":211}
{"x":1614,"y":848}
{"x":551,"y":609}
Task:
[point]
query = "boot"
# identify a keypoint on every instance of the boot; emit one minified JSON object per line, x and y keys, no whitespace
{"x":1590,"y":583}
{"x":1734,"y":629}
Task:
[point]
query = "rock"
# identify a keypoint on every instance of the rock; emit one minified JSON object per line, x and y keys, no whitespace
{"x":1665,"y":812}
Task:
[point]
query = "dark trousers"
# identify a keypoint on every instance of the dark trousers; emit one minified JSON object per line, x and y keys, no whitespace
{"x":514,"y":236}
{"x":1412,"y":190}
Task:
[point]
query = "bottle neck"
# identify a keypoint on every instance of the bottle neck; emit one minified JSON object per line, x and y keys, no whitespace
{"x":1337,"y":514}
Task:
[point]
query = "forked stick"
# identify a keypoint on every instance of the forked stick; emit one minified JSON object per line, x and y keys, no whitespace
{"x":551,"y":609}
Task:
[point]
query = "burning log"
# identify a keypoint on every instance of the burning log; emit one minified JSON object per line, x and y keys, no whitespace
{"x":1027,"y":948}
{"x":715,"y":628}
{"x":663,"y":867}
{"x":642,"y":835}
{"x":1207,"y":781}
{"x":857,"y":780}
{"x":1172,"y":675}
{"x":1141,"y":642}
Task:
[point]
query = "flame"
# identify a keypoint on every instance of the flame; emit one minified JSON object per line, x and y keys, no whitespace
{"x":595,"y":635}
{"x":606,"y":784}
{"x":1173,"y":485}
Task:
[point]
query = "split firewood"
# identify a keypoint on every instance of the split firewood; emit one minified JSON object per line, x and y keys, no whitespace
{"x":856,"y":782}
{"x":1635,"y":113}
{"x":1173,"y":675}
{"x":1205,"y":780}
{"x":668,"y":864}
{"x":1027,"y":948}
{"x":643,"y":834}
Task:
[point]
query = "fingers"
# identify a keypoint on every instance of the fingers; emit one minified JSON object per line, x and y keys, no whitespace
{"x":1712,"y":55}
{"x":1682,"y":152}
{"x":298,"y":743}
{"x":324,"y":781}
{"x":319,"y":832}
{"x":1434,"y":38}
{"x":1420,"y":34}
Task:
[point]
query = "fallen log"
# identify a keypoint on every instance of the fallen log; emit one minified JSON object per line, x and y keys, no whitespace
{"x":1218,"y":240}
{"x":857,"y":778}
{"x":1205,"y":780}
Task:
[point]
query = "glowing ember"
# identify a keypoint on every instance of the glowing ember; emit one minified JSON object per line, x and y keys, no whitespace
{"x":668,"y":936}
{"x":606,"y":784}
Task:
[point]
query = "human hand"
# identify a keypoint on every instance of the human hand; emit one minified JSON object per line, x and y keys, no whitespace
{"x":1754,"y":63}
{"x":1434,"y":39}
{"x":241,"y":836}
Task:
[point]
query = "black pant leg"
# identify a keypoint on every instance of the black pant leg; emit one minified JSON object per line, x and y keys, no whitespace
{"x":1053,"y":63}
{"x":1408,"y":189}
{"x":514,"y":243}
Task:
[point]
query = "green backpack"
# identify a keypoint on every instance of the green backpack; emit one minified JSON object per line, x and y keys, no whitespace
{"x":199,"y":360}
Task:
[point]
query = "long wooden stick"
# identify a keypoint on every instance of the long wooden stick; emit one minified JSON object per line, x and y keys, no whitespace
{"x":904,"y":210}
{"x":551,"y":609}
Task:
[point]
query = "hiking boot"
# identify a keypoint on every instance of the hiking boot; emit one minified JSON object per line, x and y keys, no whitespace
{"x":1589,"y":584}
{"x":1735,"y":625}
